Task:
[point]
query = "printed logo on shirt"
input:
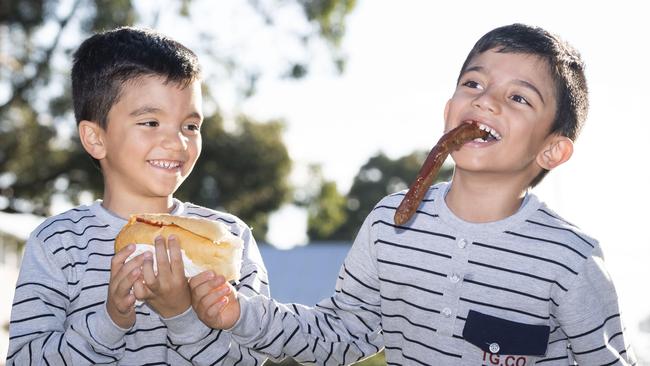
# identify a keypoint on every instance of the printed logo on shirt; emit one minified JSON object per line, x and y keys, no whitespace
{"x":504,"y":360}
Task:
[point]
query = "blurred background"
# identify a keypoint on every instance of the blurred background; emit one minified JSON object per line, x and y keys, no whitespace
{"x":322,"y":107}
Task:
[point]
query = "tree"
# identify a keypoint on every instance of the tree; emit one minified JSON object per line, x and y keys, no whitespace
{"x":243,"y":169}
{"x":377,"y":178}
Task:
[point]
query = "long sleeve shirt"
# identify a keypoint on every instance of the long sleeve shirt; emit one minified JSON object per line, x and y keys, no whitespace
{"x":530,"y":289}
{"x":59,"y":312}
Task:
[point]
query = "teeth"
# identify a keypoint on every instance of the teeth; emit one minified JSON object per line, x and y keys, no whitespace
{"x":166,"y":164}
{"x":491,"y":131}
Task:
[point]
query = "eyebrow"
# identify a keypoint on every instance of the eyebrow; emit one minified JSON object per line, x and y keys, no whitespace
{"x":523,"y":83}
{"x":144,"y":110}
{"x":153,"y":110}
{"x":528,"y":85}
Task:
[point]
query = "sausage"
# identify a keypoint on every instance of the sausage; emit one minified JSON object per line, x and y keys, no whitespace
{"x":450,"y":141}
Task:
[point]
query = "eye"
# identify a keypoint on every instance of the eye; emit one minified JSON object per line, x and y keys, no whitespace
{"x":149,"y":124}
{"x":193,"y":127}
{"x":472,"y":84}
{"x":519,"y":99}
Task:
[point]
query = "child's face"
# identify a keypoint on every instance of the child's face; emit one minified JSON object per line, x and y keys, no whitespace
{"x":514,"y":95}
{"x":152,"y":139}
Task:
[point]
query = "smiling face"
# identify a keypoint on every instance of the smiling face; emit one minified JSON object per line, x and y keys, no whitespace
{"x":513,"y":96}
{"x":152,"y":140}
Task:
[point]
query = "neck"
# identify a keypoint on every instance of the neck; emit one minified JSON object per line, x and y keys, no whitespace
{"x":124,"y":206}
{"x":484,"y":198}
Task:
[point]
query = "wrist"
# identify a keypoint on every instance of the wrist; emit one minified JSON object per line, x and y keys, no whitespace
{"x":104,"y":330}
{"x":121,"y":320}
{"x":186,"y":328}
{"x":175,"y":311}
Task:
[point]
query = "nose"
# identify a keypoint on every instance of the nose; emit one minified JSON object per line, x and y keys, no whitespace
{"x":175,"y":141}
{"x":487,"y":101}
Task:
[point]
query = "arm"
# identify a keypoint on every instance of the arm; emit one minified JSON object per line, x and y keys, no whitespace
{"x":40,"y":331}
{"x":339,"y":330}
{"x":201,"y":345}
{"x":590,"y":317}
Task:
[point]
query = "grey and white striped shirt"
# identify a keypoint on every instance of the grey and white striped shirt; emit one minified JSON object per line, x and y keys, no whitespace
{"x":529,"y":289}
{"x":59,"y":315}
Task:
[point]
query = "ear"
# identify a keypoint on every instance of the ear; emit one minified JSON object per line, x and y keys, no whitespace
{"x":557,"y":150}
{"x":92,"y":139}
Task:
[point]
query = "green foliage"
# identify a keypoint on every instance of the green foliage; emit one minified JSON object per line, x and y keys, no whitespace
{"x":327,"y":213}
{"x":29,"y":13}
{"x":109,"y":13}
{"x":243,"y":171}
{"x":330,"y":16}
{"x":377,"y":178}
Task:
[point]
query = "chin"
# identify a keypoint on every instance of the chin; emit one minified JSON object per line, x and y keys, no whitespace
{"x":163,"y":191}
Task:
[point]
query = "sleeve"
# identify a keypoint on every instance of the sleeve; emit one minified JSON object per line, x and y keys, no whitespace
{"x":589,"y":315}
{"x":201,"y":345}
{"x":40,"y":331}
{"x":339,"y":330}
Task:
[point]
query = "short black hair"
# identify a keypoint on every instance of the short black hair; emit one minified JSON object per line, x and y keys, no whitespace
{"x":565,"y":64}
{"x":104,"y":62}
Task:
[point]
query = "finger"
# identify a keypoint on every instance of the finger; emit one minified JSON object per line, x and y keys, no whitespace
{"x":123,"y":288}
{"x":175,"y":256}
{"x":120,"y":257}
{"x":126,"y":305}
{"x":148,"y":272}
{"x":218,"y":306}
{"x":140,"y":290}
{"x":208,"y":286}
{"x":214,"y":295}
{"x":201,"y":278}
{"x":162,"y":257}
{"x":201,"y":291}
{"x":126,"y":268}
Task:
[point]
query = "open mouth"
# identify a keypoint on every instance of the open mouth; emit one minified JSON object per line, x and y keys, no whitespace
{"x":166,"y":164}
{"x":493,"y":134}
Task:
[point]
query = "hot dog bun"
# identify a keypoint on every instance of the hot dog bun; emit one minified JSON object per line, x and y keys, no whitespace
{"x":206,"y":243}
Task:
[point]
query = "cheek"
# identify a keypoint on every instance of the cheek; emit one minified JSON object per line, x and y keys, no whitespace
{"x":196,"y":146}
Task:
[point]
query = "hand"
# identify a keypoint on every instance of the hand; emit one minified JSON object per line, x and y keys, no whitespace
{"x":120,"y":301}
{"x":167,"y":292}
{"x":214,"y":300}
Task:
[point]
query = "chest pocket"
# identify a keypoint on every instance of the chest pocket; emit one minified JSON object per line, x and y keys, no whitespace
{"x":501,"y":336}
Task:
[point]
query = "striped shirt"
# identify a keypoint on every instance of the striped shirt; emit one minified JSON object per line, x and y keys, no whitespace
{"x":59,"y":315}
{"x":527,"y":290}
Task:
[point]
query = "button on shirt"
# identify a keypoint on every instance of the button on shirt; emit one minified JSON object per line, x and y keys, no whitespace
{"x":494,"y":347}
{"x":462,"y":243}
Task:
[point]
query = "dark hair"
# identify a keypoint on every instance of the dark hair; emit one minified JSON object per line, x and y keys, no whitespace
{"x":104,"y":62}
{"x":565,"y":65}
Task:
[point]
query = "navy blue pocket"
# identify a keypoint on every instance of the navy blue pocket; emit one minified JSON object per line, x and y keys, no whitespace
{"x":505,"y":337}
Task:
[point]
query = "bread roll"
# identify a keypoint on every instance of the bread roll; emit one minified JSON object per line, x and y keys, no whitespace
{"x":205,"y":244}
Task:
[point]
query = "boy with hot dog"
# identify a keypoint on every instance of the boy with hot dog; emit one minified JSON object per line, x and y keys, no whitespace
{"x":137,"y":102}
